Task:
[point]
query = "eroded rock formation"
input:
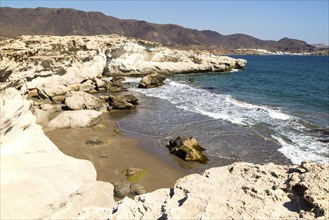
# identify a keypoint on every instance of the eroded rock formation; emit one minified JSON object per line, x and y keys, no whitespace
{"x":50,"y":66}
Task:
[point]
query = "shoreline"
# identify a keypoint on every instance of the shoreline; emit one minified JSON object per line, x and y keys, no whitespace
{"x":121,"y":151}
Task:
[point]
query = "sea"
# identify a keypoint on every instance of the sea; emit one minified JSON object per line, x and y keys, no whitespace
{"x":275,"y":110}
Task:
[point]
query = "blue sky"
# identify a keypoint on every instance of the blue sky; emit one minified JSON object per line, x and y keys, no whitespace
{"x":268,"y":20}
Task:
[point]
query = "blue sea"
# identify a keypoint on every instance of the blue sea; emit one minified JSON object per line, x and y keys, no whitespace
{"x":274,"y":110}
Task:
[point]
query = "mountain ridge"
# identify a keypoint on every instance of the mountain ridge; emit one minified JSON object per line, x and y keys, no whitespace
{"x":66,"y":21}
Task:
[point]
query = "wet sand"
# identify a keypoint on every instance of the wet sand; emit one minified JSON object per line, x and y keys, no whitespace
{"x":120,"y":151}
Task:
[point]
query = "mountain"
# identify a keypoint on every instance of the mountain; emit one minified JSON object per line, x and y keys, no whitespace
{"x":49,"y":21}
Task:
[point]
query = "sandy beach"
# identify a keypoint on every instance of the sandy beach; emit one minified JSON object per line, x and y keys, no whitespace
{"x":118,"y":152}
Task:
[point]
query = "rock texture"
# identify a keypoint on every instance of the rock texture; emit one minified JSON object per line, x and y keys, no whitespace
{"x":37,"y":180}
{"x":50,"y":66}
{"x":238,"y":191}
{"x":187,"y":149}
{"x":77,"y":100}
{"x":76,"y":119}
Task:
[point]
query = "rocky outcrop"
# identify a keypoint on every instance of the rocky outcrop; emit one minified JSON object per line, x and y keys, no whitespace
{"x":37,"y":180}
{"x":40,"y":182}
{"x":53,"y":65}
{"x":187,"y":149}
{"x":76,"y":119}
{"x":152,"y":81}
{"x":241,"y":190}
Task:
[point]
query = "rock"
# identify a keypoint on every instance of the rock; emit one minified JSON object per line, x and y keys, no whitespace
{"x":123,"y":188}
{"x":240,"y":63}
{"x":130,"y":98}
{"x":94,"y":142}
{"x":51,"y":108}
{"x":100,"y":83}
{"x":82,"y":100}
{"x":76,"y":119}
{"x":241,"y":190}
{"x":117,"y":102}
{"x":41,"y":116}
{"x":99,"y":127}
{"x":99,"y":141}
{"x":53,"y":65}
{"x":134,"y":174}
{"x":137,"y":189}
{"x":187,"y":149}
{"x":50,"y":87}
{"x":87,"y":86}
{"x":37,"y":180}
{"x":58,"y":99}
{"x":151,"y":81}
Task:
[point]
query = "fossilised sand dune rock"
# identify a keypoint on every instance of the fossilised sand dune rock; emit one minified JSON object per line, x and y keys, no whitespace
{"x":76,"y":119}
{"x":27,"y":61}
{"x":37,"y":180}
{"x":241,"y":190}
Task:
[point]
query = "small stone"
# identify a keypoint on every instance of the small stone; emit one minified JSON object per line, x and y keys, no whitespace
{"x":99,"y":127}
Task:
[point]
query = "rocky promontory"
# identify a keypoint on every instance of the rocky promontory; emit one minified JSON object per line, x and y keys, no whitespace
{"x":50,"y":66}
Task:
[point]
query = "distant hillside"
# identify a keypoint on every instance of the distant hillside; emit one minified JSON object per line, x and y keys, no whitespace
{"x":47,"y":21}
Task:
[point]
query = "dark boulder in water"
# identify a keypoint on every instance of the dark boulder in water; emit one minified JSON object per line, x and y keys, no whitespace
{"x":152,"y":81}
{"x":187,"y":149}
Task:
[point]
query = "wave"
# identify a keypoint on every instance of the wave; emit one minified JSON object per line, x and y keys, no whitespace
{"x":228,"y":108}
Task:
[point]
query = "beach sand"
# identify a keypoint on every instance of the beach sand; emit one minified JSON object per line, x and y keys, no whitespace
{"x":119,"y":152}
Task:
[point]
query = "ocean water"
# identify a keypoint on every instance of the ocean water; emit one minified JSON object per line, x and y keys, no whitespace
{"x":275,"y":110}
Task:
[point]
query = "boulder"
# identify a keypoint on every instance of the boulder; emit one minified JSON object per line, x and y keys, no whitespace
{"x":187,"y":149}
{"x":151,"y":81}
{"x":117,"y":102}
{"x":77,"y":100}
{"x":124,"y":188}
{"x":50,"y":87}
{"x":87,"y":86}
{"x":130,"y":98}
{"x":134,"y":174}
{"x":76,"y":119}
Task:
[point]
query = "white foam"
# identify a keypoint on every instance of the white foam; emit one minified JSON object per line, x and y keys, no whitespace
{"x":226,"y":107}
{"x":296,"y":154}
{"x":278,"y":115}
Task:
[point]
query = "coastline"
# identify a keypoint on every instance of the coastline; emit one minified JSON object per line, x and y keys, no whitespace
{"x":46,"y":183}
{"x":121,"y":152}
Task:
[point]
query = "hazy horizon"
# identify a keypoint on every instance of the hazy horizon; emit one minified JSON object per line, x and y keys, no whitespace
{"x":266,"y":20}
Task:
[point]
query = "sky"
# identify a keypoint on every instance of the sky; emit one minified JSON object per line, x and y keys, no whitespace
{"x":306,"y":20}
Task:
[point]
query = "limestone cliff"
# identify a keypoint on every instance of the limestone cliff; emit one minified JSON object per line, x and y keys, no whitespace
{"x":52,"y":64}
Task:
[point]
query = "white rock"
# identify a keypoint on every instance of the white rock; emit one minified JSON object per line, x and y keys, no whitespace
{"x":82,"y":100}
{"x":76,"y":119}
{"x":37,"y":180}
